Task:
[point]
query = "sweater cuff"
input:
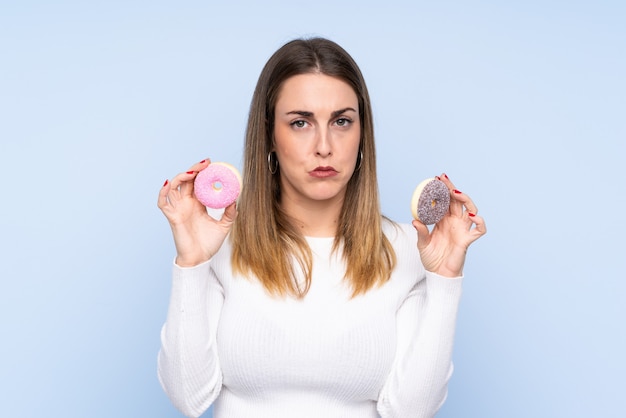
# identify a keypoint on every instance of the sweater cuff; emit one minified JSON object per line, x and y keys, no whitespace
{"x":190,"y":268}
{"x":448,"y":286}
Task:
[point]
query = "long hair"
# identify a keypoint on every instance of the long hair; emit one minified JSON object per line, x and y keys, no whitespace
{"x":265,"y":242}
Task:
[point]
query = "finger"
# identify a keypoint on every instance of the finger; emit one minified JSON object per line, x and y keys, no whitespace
{"x":423,"y":234}
{"x":186,"y":186}
{"x":480,"y":228}
{"x":458,"y":199}
{"x":186,"y":182}
{"x":456,"y":207}
{"x":201,"y":165}
{"x":464,"y":201}
{"x":470,"y":207}
{"x":446,"y":180}
{"x":183,"y":183}
{"x":162,"y":201}
{"x":229,"y":215}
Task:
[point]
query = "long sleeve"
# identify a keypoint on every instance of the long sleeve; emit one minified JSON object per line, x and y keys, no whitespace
{"x":386,"y":353}
{"x":188,"y":363}
{"x":426,"y":321}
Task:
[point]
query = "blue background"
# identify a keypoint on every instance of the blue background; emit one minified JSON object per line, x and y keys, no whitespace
{"x":521,"y":103}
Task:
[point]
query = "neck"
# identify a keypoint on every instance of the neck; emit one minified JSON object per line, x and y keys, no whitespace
{"x":314,"y":219}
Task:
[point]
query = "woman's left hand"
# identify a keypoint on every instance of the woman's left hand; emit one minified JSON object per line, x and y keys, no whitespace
{"x":443,"y":249}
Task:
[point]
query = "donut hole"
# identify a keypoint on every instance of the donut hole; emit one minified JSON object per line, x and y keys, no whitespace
{"x":433,"y":203}
{"x":217,"y":186}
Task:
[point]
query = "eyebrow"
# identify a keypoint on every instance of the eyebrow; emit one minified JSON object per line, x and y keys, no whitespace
{"x":306,"y":113}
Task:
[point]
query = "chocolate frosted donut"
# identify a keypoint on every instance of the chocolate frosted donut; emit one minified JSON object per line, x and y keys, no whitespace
{"x":430,"y":201}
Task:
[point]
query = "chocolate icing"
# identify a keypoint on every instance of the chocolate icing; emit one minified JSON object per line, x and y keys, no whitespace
{"x":433,"y":202}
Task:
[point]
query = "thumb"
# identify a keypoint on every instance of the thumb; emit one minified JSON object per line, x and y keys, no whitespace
{"x":229,"y":215}
{"x":423,"y":234}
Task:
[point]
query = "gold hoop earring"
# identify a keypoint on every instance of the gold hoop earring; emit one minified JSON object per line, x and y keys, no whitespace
{"x":272,"y":163}
{"x":359,"y":161}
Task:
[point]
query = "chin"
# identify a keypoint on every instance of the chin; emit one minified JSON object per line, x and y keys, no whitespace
{"x":323,"y":195}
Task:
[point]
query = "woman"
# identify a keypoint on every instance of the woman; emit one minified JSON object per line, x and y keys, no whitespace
{"x":303,"y":300}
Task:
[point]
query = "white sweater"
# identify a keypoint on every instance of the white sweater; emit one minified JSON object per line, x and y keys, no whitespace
{"x":387,"y":353}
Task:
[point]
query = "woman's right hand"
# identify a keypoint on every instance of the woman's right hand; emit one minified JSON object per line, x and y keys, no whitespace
{"x":197,"y":235}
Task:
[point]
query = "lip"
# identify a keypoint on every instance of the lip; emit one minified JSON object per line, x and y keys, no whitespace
{"x":323,"y":172}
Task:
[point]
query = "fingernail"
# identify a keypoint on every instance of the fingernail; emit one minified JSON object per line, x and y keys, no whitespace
{"x":438,"y":178}
{"x":202,"y":162}
{"x":470,"y":214}
{"x":457,"y":191}
{"x":165,"y":184}
{"x":190,"y":172}
{"x":446,"y":176}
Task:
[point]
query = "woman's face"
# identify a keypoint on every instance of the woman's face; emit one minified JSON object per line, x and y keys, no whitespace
{"x":316,"y":137}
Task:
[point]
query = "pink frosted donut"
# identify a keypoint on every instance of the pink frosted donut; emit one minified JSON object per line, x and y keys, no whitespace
{"x":218,"y":185}
{"x":430,"y":201}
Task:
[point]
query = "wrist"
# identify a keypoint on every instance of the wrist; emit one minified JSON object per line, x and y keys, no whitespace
{"x":187,"y":261}
{"x":449,"y":273}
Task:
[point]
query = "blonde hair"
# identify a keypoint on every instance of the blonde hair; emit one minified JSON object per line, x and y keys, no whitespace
{"x":265,"y":242}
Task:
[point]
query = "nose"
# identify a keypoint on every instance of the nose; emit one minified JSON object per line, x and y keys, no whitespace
{"x":323,"y":143}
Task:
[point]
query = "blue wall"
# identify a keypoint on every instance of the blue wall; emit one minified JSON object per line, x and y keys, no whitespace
{"x":521,"y":104}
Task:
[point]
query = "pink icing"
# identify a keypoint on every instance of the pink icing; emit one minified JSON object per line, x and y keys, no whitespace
{"x":217,"y":186}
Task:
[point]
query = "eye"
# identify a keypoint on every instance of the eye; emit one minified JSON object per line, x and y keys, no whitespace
{"x":343,"y":122}
{"x":298,"y":123}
